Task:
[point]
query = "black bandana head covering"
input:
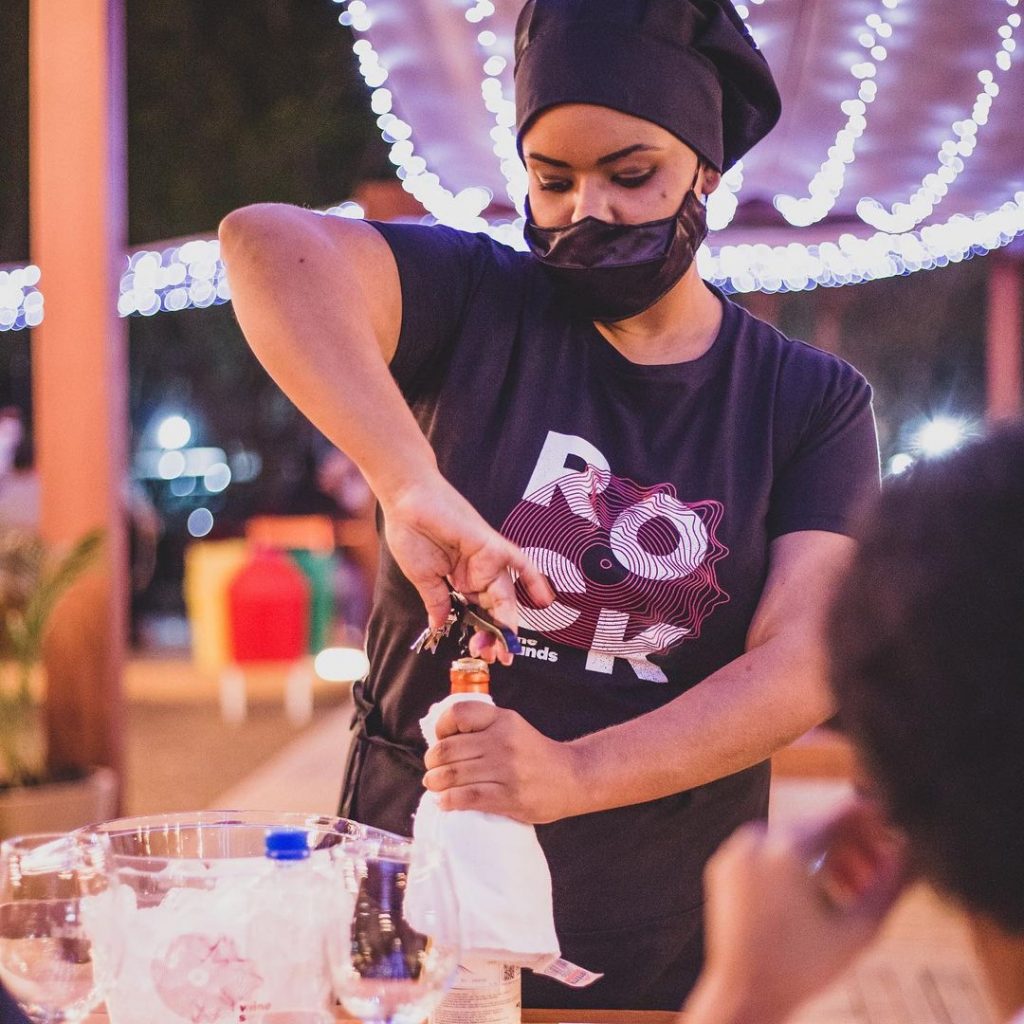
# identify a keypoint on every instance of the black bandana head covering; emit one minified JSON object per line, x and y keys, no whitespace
{"x":689,"y":66}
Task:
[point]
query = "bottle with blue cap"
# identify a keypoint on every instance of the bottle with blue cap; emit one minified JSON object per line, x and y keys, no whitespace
{"x":294,"y":897}
{"x":287,"y":844}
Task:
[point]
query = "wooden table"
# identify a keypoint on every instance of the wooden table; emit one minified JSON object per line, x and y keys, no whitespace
{"x":533,"y":1017}
{"x":921,"y":970}
{"x":599,"y":1017}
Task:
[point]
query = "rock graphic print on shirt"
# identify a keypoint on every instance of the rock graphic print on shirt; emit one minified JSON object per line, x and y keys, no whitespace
{"x":633,"y":568}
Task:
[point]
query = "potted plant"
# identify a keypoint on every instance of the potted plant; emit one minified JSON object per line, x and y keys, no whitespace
{"x":32,"y":580}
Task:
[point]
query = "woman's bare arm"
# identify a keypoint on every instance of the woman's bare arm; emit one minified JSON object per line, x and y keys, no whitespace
{"x":319,"y":301}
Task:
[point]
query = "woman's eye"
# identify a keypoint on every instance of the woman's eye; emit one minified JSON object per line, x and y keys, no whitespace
{"x":553,"y":186}
{"x":633,"y":180}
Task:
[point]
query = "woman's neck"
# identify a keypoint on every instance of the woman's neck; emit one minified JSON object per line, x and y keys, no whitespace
{"x":679,"y":327}
{"x":1002,"y":956}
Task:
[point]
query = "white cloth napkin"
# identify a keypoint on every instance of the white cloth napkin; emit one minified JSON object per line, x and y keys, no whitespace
{"x":501,"y":876}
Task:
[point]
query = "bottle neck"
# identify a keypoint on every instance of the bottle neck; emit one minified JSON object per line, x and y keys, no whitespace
{"x":470,"y":675}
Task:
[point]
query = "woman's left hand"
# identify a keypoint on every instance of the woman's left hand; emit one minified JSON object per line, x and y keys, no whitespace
{"x":491,"y":759}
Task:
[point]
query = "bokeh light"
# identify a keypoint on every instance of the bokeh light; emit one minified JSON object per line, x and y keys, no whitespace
{"x":341,"y":664}
{"x":174,"y":432}
{"x":200,"y":522}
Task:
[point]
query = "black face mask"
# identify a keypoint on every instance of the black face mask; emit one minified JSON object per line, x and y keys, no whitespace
{"x":610,"y":272}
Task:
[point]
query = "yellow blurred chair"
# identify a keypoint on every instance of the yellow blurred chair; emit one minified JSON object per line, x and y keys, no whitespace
{"x":210,"y":566}
{"x":210,"y":569}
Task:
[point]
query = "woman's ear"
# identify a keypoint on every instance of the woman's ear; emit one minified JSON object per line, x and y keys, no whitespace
{"x":710,"y":180}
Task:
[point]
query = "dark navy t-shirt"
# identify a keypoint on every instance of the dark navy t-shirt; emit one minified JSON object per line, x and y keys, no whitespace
{"x":10,"y":1012}
{"x":649,"y":496}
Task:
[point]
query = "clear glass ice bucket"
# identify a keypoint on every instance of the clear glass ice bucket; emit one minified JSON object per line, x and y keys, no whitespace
{"x":215,"y":932}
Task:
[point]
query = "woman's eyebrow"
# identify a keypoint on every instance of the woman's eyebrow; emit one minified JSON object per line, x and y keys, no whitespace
{"x":609,"y":158}
{"x":541,"y":158}
{"x":640,"y":147}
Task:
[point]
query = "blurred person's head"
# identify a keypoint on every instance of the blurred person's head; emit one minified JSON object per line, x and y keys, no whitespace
{"x":927,"y":662}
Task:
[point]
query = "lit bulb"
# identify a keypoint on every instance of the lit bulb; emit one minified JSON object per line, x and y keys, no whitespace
{"x":939,"y":436}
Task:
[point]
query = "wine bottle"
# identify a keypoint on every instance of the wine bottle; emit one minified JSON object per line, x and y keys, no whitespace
{"x":484,"y":993}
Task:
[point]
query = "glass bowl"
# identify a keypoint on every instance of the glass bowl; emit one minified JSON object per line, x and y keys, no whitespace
{"x":215,"y":931}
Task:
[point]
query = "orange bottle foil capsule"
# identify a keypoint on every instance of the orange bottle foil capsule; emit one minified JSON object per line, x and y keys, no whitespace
{"x":470,"y":675}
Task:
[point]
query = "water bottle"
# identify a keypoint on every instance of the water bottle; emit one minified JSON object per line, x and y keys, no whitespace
{"x":288,"y":940}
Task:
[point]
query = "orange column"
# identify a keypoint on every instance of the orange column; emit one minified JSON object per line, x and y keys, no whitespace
{"x":1003,"y":343}
{"x":78,"y":233}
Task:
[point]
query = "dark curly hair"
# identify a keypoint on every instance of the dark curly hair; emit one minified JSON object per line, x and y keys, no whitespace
{"x":927,"y":663}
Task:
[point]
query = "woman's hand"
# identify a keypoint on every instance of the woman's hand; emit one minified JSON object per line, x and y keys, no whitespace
{"x":491,"y":759}
{"x":788,"y":910}
{"x":435,"y":534}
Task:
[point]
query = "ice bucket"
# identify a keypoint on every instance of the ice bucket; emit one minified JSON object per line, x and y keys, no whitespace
{"x":215,"y":932}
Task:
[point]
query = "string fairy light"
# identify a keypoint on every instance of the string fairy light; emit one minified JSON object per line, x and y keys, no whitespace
{"x":460,"y":210}
{"x":723,"y":203}
{"x":825,"y":187}
{"x":956,"y":149}
{"x":743,"y":10}
{"x":734,"y":268}
{"x":154,"y":283}
{"x":500,"y":106}
{"x":181,"y":277}
{"x":853,"y":260}
{"x":192,"y":275}
{"x":794,"y":266}
{"x":21,"y":301}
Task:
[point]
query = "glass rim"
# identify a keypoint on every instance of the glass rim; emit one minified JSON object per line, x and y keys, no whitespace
{"x":417,"y":853}
{"x":27,"y":841}
{"x":41,"y":853}
{"x":319,"y":827}
{"x":227,"y":816}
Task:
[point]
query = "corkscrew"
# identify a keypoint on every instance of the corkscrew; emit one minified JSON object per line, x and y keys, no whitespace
{"x":471,"y":618}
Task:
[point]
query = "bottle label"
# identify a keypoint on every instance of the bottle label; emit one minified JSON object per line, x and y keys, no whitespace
{"x":490,"y":993}
{"x":567,"y":973}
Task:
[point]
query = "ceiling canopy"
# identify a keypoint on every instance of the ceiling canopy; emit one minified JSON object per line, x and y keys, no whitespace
{"x":901,"y":144}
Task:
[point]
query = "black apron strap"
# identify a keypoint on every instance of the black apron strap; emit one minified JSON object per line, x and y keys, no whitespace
{"x":395,"y":777}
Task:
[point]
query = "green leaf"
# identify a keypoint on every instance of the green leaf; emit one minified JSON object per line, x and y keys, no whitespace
{"x":53,"y":584}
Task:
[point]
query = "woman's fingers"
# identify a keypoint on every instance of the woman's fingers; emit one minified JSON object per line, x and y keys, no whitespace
{"x":436,"y":536}
{"x":499,"y":598}
{"x":488,"y":648}
{"x":487,"y":580}
{"x":436,"y":599}
{"x":533,"y":580}
{"x":466,"y":716}
{"x":467,"y":772}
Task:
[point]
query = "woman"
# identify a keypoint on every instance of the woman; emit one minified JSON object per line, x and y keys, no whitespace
{"x":600,"y":449}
